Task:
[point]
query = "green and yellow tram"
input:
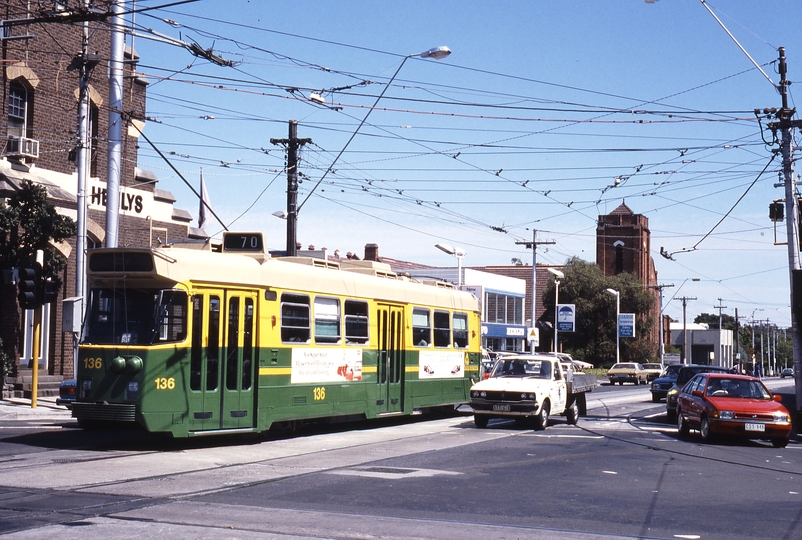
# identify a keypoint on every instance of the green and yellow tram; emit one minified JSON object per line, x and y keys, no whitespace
{"x":196,"y":342}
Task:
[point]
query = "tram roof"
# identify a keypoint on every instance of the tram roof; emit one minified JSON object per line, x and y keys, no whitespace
{"x":229,"y":269}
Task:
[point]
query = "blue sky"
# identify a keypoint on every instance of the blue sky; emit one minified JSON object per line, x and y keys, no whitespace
{"x":527,"y":125}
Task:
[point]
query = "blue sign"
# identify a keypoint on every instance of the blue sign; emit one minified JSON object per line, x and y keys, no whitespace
{"x":566,"y":317}
{"x":626,"y":325}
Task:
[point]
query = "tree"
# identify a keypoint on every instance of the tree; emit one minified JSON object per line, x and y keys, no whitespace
{"x":594,"y":339}
{"x":711,"y":320}
{"x":29,"y":223}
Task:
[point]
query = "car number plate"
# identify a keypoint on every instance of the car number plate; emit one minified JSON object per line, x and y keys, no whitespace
{"x":755,"y":427}
{"x":505,"y":408}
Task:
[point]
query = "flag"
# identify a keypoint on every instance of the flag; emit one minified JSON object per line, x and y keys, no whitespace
{"x":205,"y":205}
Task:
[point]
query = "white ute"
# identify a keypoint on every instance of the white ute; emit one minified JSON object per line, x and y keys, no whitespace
{"x":531,"y":387}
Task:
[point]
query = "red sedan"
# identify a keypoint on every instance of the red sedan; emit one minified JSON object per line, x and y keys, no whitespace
{"x":736,"y":405}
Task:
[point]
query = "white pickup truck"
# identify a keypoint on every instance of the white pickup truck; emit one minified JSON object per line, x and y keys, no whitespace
{"x":531,"y":387}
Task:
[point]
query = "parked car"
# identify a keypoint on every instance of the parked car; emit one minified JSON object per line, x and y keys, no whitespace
{"x":734,"y":405}
{"x":66,"y":393}
{"x":787,"y":372}
{"x":662,"y":384}
{"x":652,"y":371}
{"x":627,"y":372}
{"x":685,"y":374}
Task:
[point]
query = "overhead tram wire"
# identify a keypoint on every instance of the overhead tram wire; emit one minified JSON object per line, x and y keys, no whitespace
{"x":181,"y":176}
{"x":563,"y":203}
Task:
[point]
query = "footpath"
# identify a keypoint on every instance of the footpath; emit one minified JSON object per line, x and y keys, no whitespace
{"x":46,"y":410}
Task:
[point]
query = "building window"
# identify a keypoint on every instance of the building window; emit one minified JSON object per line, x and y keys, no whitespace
{"x":504,"y":309}
{"x":619,"y":257}
{"x":94,"y":144}
{"x":20,"y":110}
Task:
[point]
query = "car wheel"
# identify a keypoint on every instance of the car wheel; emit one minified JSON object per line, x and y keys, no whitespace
{"x":572,"y":413}
{"x":682,"y":426}
{"x":480,"y":420}
{"x":779,"y":443}
{"x":542,"y":419}
{"x":705,"y":431}
{"x":620,"y":383}
{"x":655,"y":398}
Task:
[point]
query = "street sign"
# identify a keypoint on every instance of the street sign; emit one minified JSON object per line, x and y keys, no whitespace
{"x":566,"y":317}
{"x":533,"y":336}
{"x":626,"y":325}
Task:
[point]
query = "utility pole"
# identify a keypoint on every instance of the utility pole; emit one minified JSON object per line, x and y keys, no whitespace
{"x":115,"y":130}
{"x":684,"y":353}
{"x":292,"y":143}
{"x":719,"y":307}
{"x":737,"y":354}
{"x":785,"y":124}
{"x":533,"y":246}
{"x":660,"y":288}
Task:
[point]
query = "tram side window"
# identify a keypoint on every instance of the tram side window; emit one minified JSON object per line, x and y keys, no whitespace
{"x":294,"y":318}
{"x":460,"y":330}
{"x":233,"y":344}
{"x":327,"y":320}
{"x":213,"y":347}
{"x":247,"y":346}
{"x":356,"y":322}
{"x":196,"y":359}
{"x":442,"y":329}
{"x":421,"y":327}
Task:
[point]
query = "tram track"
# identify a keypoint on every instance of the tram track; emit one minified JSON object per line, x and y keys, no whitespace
{"x":632,"y":420}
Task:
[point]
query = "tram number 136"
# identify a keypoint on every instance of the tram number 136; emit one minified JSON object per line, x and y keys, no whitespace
{"x":164,"y":383}
{"x":319,"y":393}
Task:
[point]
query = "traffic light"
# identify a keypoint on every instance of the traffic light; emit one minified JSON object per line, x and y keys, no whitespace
{"x":49,"y":291}
{"x":30,"y":279}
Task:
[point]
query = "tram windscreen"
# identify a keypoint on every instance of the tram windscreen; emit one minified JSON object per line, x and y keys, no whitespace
{"x":135,"y":317}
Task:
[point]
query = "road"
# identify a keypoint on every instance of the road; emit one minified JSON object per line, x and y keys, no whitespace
{"x":622,"y":472}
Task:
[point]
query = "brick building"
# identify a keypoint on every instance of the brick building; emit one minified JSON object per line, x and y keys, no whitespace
{"x":623,"y":244}
{"x":39,"y":125}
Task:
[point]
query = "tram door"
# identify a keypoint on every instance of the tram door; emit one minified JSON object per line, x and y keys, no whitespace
{"x":239,"y":334}
{"x":391,"y":359}
{"x":222,"y":360}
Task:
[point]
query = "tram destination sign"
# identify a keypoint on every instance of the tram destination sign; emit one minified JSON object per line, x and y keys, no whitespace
{"x":248,"y":241}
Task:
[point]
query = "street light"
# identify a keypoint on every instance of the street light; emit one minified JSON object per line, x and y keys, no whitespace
{"x":557,"y":277}
{"x":617,"y":315}
{"x":459,"y":254}
{"x":435,"y":53}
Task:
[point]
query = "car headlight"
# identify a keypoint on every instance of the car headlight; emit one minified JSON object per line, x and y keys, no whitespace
{"x":726,"y":415}
{"x":482,"y":394}
{"x":781,"y":417}
{"x":531,"y":396}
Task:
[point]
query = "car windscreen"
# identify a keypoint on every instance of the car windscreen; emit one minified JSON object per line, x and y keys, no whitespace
{"x":523,"y":368}
{"x":737,"y":388}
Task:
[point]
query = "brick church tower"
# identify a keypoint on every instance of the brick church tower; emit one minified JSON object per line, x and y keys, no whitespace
{"x":623,"y":244}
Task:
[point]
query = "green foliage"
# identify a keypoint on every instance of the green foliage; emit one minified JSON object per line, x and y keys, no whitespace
{"x":711,"y":320}
{"x":594,"y":340}
{"x":29,"y":223}
{"x":6,"y":363}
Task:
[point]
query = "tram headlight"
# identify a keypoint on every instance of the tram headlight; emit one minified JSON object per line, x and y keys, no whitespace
{"x":118,"y":364}
{"x":133,"y":365}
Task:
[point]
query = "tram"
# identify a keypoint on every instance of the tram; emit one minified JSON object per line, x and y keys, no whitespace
{"x":209,"y":341}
